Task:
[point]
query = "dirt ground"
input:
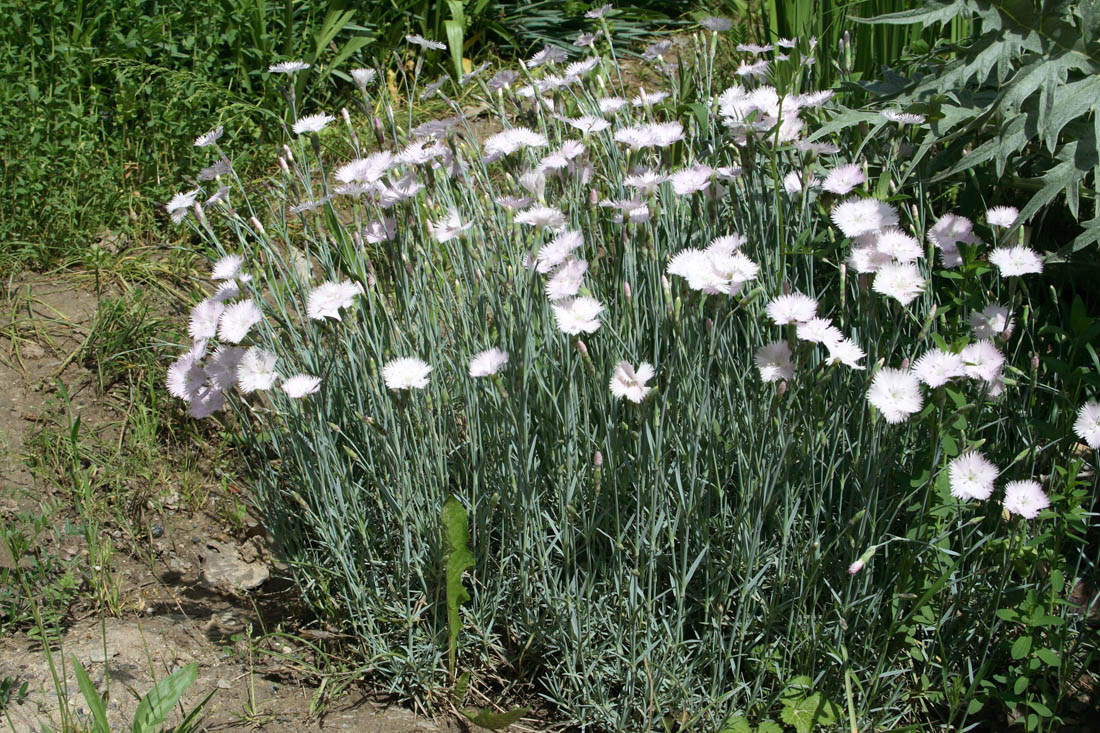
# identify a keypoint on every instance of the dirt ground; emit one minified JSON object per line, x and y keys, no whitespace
{"x":180,"y":595}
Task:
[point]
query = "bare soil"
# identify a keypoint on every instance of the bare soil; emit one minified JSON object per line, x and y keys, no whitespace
{"x":178,"y":600}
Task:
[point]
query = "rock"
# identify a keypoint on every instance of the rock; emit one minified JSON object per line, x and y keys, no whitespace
{"x":223,"y":568}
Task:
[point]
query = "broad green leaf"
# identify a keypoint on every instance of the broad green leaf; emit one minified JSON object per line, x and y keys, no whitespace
{"x":496,"y":721}
{"x":927,"y":15}
{"x":155,"y":706}
{"x":1049,"y":657}
{"x":807,"y":712}
{"x":769,"y":726}
{"x":457,"y":559}
{"x":1021,"y":647}
{"x":91,"y":696}
{"x":736,"y":724}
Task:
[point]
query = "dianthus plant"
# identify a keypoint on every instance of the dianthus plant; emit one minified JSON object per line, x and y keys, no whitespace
{"x":719,"y":407}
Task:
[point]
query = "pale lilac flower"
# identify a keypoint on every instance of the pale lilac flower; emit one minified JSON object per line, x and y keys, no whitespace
{"x":366,"y":170}
{"x":903,"y":118}
{"x":380,"y":231}
{"x":256,"y":370}
{"x":774,"y":361}
{"x":585,"y":40}
{"x":204,"y":319}
{"x":599,"y":12}
{"x":588,"y":123}
{"x":654,"y":51}
{"x":817,"y":148}
{"x":206,"y":401}
{"x":185,"y":377}
{"x":227,"y":292}
{"x":422,"y":151}
{"x":645,"y":99}
{"x":691,"y":180}
{"x":407,"y":373}
{"x":578,"y":69}
{"x":757,"y":69}
{"x":971,"y":476}
{"x":509,"y":141}
{"x":502,"y":79}
{"x":1018,"y":260}
{"x":288,"y":67}
{"x":326,"y":300}
{"x":180,"y":204}
{"x":982,"y":360}
{"x":659,"y":135}
{"x":544,"y":217}
{"x":726,"y":244}
{"x":221,"y":367}
{"x":847,"y":352}
{"x":645,"y":181}
{"x":843,"y":179}
{"x":237,"y":319}
{"x":312,"y":123}
{"x":898,"y":280}
{"x":548,"y":55}
{"x":213,"y":172}
{"x":819,"y":331}
{"x":488,"y":362}
{"x":716,"y":23}
{"x":611,"y":105}
{"x":628,"y":382}
{"x":1087,"y":425}
{"x":514,"y":202}
{"x":363,"y":77}
{"x":579,"y":315}
{"x":419,"y":40}
{"x":991,"y":321}
{"x":898,"y":245}
{"x":753,"y":48}
{"x":207,"y":139}
{"x":449,"y":227}
{"x":791,"y":308}
{"x":792,"y":182}
{"x":227,"y":267}
{"x":896,"y":394}
{"x":1025,"y":498}
{"x":937,"y":367}
{"x":300,"y":385}
{"x":558,"y":250}
{"x":566,"y":281}
{"x":868,"y":259}
{"x":220,"y":195}
{"x":1002,"y":216}
{"x":862,"y":216}
{"x":950,"y":229}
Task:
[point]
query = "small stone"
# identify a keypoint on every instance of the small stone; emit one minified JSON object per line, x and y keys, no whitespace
{"x":156,"y":531}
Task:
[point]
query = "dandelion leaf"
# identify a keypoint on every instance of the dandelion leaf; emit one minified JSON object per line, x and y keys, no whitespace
{"x":736,"y":724}
{"x":457,"y":559}
{"x":496,"y":721}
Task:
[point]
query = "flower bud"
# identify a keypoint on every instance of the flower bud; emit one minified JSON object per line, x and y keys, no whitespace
{"x":626,"y":290}
{"x":287,"y":153}
{"x":258,"y":226}
{"x":597,"y":460}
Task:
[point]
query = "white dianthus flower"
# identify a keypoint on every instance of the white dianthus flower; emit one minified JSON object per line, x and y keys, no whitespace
{"x":408,"y":373}
{"x":899,"y":280}
{"x":792,"y":308}
{"x":237,"y":319}
{"x":256,"y":370}
{"x":1018,"y":260}
{"x":312,"y":123}
{"x":488,"y":362}
{"x":579,"y":315}
{"x":300,"y":385}
{"x":862,"y":216}
{"x":628,"y":382}
{"x":288,"y":67}
{"x":1087,"y":425}
{"x":896,"y":394}
{"x":774,"y":361}
{"x":1025,"y":498}
{"x":937,"y":367}
{"x":971,"y":476}
{"x":326,"y":300}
